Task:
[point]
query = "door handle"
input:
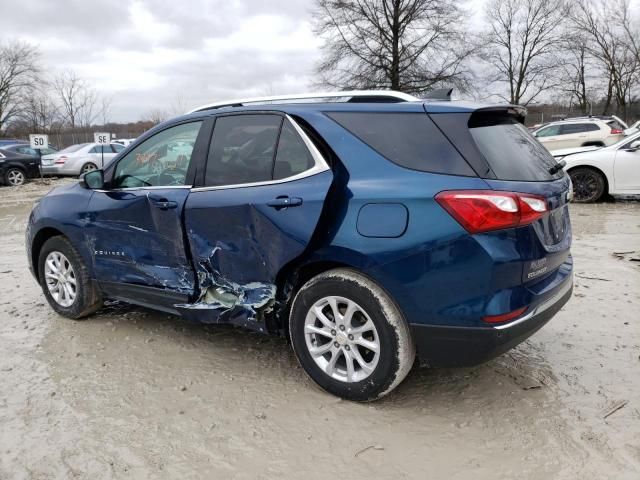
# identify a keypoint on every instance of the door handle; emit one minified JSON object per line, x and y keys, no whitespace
{"x":284,"y":201}
{"x":162,"y":203}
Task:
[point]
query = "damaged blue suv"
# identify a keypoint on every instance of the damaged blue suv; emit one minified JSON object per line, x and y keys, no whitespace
{"x":367,"y":226}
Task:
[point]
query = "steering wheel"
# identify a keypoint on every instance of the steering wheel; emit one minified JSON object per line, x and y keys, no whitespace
{"x":167,"y":172}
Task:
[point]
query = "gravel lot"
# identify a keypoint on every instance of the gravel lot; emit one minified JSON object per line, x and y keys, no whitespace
{"x":130,"y":393}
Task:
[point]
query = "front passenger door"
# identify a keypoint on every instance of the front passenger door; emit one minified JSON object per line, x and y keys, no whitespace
{"x":135,"y":228}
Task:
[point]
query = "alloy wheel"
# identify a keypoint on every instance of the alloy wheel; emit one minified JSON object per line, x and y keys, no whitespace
{"x":89,"y":167}
{"x":60,"y":278}
{"x":585,"y":186}
{"x":342,"y":339}
{"x":15,"y":177}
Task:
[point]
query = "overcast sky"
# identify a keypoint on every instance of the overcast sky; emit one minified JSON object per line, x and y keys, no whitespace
{"x":165,"y":54}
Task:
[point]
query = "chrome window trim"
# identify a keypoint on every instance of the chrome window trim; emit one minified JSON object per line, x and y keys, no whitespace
{"x":155,"y":187}
{"x":320,"y":165}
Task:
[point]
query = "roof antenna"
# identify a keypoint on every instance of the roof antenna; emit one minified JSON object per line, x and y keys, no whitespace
{"x":442,"y":94}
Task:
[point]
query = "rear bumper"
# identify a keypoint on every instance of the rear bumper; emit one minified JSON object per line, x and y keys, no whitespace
{"x":450,"y":346}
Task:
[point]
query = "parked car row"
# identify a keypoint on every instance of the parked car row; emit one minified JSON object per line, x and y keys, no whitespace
{"x":19,"y":162}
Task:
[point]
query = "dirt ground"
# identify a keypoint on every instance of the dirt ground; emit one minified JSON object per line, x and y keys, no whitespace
{"x":130,"y":393}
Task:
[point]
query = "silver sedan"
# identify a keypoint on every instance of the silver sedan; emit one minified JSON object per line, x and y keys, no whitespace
{"x":80,"y":158}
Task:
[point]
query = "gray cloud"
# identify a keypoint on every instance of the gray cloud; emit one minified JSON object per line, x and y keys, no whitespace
{"x":154,"y":54}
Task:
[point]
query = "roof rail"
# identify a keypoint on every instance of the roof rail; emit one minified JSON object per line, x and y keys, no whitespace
{"x":344,"y":96}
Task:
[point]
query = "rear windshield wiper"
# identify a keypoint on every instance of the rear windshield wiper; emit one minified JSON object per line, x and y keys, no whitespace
{"x":557,"y":167}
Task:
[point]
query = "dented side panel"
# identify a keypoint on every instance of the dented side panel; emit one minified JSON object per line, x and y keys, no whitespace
{"x":239,"y":244}
{"x":132,"y":241}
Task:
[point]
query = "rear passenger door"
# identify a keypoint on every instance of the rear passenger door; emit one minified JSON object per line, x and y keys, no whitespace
{"x":255,"y":211}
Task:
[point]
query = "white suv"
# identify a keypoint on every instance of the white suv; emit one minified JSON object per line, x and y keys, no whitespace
{"x":579,"y":132}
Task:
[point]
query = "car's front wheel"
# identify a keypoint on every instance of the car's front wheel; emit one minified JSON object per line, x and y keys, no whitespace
{"x":349,"y":335}
{"x":588,"y":185}
{"x":15,"y":177}
{"x":65,"y":280}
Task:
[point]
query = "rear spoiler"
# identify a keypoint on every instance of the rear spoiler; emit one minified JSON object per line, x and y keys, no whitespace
{"x":517,"y":111}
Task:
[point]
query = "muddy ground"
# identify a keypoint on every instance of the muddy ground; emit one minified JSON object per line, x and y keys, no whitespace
{"x":130,"y":393}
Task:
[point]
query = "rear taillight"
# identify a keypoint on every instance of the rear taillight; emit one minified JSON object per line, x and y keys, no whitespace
{"x":61,"y":160}
{"x":616,"y":131}
{"x":485,"y":210}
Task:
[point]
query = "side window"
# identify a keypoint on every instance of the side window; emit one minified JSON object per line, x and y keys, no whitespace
{"x":26,"y":151}
{"x":242,"y":149}
{"x":410,"y":140}
{"x":117,"y":147}
{"x":95,"y":149}
{"x":154,"y":164}
{"x":549,"y":131}
{"x":591,"y":127}
{"x":572,"y":128}
{"x":293,"y":156}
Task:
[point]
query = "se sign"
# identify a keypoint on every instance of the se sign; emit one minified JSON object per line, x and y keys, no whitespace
{"x":102,"y":138}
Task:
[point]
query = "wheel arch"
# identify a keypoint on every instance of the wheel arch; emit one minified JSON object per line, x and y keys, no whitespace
{"x":38,"y":241}
{"x":597,"y":170}
{"x":294,"y":275}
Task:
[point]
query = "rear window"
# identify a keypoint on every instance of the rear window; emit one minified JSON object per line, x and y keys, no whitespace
{"x":410,"y":140}
{"x":510,"y":150}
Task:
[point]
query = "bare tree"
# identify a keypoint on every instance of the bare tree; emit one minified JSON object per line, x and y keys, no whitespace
{"x":407,"y":45}
{"x":522,"y":42}
{"x":612,"y":41}
{"x":78,"y":102}
{"x":156,"y":116}
{"x":579,"y":73}
{"x":18,"y":74}
{"x":39,"y":111}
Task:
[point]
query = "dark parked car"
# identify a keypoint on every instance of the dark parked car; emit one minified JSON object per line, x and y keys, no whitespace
{"x":25,"y":149}
{"x":10,"y":141}
{"x":363,"y":229}
{"x":16,"y":168}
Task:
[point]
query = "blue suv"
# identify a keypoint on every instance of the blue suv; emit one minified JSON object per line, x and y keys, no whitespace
{"x":367,"y":227}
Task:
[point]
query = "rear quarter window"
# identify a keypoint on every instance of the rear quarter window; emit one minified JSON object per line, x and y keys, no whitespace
{"x":510,"y":150}
{"x":410,"y":140}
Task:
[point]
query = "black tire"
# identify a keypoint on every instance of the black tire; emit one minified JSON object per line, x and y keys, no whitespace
{"x":396,"y":347}
{"x":588,"y":185}
{"x":15,"y":177}
{"x":88,"y":167}
{"x":87,"y":297}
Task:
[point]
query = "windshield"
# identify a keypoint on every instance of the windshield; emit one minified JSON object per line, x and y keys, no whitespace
{"x":511,"y":151}
{"x":73,"y":148}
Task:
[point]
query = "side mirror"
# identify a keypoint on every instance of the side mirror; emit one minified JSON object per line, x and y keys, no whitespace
{"x":635,"y":145}
{"x":92,"y":180}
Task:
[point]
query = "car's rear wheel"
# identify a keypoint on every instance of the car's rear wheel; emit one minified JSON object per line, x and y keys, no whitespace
{"x":88,"y":167}
{"x":349,"y":336}
{"x":15,"y":177}
{"x":588,"y":185}
{"x":65,"y":280}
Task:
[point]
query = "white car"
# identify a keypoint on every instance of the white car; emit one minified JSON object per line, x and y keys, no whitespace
{"x":597,"y":172}
{"x":80,"y":158}
{"x":124,"y":141}
{"x":579,"y":132}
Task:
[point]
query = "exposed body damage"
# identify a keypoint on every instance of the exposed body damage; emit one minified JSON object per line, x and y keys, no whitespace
{"x":223,"y":301}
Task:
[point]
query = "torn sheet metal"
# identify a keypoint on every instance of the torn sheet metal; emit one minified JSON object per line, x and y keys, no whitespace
{"x":223,"y":301}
